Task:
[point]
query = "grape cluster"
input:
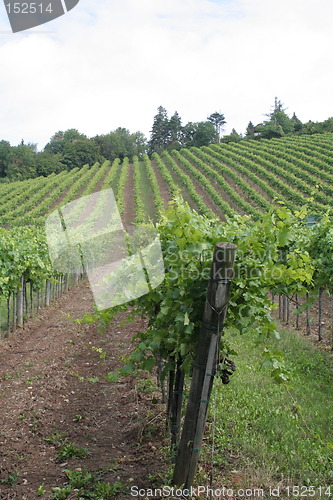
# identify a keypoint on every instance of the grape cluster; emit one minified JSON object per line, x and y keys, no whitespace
{"x":225,"y":370}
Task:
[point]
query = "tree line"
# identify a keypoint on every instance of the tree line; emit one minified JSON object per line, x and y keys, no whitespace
{"x":279,"y":124}
{"x":69,"y":149}
{"x":169,"y":134}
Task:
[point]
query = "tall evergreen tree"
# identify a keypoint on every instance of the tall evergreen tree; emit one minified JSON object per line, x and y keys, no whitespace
{"x":249,"y":134}
{"x":297,"y":123}
{"x":160,"y":133}
{"x":278,"y":107}
{"x":280,"y":118}
{"x":278,"y":124}
{"x":175,"y":131}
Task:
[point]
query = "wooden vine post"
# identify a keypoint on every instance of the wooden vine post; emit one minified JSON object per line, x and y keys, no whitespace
{"x":48,"y":293}
{"x":20,"y":304}
{"x":205,"y":364}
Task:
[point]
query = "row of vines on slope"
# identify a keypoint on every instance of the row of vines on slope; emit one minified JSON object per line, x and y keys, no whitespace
{"x":24,"y":261}
{"x":181,"y":170}
{"x":279,"y":253}
{"x":271,"y":256}
{"x":140,"y":215}
{"x":158,"y":201}
{"x":24,"y":255}
{"x":240,"y":177}
{"x":32,"y":205}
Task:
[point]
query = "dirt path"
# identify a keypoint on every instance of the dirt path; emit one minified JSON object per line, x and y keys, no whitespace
{"x":40,"y":395}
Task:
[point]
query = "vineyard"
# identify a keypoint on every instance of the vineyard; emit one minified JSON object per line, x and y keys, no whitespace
{"x":218,"y":181}
{"x":271,"y":199}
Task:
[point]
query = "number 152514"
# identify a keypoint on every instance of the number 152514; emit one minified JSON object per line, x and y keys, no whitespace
{"x":28,"y":8}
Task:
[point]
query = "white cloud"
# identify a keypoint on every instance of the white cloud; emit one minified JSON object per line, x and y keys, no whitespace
{"x":110,"y":64}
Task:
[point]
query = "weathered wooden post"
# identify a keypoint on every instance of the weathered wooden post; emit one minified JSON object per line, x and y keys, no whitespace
{"x":285,"y":309}
{"x":48,"y":293}
{"x":14,"y":315}
{"x":175,"y":404}
{"x":320,"y":314}
{"x":8,"y":316}
{"x":332,"y":323}
{"x":31,"y":289}
{"x":204,"y":367}
{"x":307,"y":312}
{"x":20,"y":304}
{"x":66,"y":284}
{"x":297,"y":312}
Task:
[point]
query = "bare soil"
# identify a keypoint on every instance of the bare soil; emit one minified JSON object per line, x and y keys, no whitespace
{"x":42,"y":393}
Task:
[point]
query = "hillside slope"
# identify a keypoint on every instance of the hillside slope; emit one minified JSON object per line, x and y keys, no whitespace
{"x":219,"y":180}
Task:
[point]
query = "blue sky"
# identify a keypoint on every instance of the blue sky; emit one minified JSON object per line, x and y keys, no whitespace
{"x":110,"y":63}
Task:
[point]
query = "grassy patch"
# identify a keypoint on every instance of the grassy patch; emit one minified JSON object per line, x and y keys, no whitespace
{"x":84,"y":484}
{"x":275,"y":433}
{"x":69,"y":450}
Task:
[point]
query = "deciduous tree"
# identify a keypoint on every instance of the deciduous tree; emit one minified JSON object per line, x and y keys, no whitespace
{"x":79,"y":153}
{"x":232,"y":137}
{"x":218,"y":120}
{"x":22,"y":162}
{"x":5,"y":149}
{"x":204,"y":135}
{"x":59,"y":140}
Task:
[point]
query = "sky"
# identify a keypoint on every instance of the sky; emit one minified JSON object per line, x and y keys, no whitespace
{"x":112,"y":63}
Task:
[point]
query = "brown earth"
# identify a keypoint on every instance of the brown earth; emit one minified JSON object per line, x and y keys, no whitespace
{"x":42,"y":393}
